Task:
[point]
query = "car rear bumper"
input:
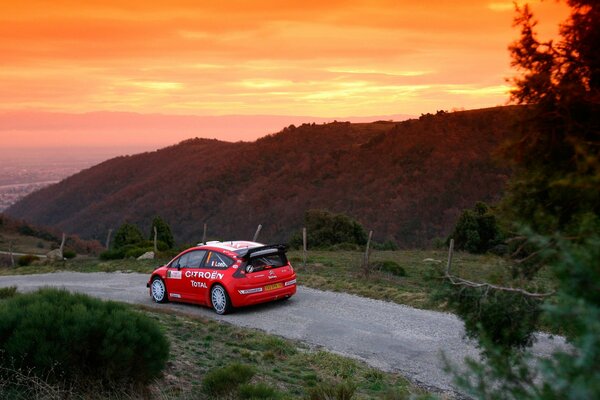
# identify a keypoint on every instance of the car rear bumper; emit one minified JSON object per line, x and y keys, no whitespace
{"x":240,"y":300}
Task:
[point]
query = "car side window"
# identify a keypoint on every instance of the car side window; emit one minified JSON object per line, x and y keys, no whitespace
{"x":217,"y":261}
{"x":195,"y":258}
{"x":180,"y":262}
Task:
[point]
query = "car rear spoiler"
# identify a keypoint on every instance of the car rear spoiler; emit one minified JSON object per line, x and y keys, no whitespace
{"x":263,"y":251}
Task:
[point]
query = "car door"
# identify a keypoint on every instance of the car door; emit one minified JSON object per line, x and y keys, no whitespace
{"x":193,"y":287}
{"x":175,"y":282}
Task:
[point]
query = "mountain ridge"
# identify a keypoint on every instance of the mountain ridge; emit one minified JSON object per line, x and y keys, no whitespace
{"x":408,"y":181}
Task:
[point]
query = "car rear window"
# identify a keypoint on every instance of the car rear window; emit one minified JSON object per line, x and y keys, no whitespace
{"x":268,"y":261}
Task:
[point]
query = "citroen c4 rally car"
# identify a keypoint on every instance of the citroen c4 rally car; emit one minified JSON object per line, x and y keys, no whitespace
{"x":224,"y":275}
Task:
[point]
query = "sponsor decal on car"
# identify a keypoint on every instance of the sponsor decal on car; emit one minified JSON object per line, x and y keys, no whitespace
{"x":174,"y":274}
{"x":205,"y":275}
{"x":199,"y":284}
{"x":177,"y":296}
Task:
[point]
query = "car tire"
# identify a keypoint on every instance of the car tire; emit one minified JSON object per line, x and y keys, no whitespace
{"x":158,"y":290}
{"x":219,"y":299}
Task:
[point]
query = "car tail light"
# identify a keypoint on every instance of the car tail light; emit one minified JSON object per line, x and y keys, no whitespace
{"x":249,"y":291}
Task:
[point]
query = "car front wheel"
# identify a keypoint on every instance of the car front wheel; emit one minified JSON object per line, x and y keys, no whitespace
{"x":158,"y":290}
{"x":220,"y":300}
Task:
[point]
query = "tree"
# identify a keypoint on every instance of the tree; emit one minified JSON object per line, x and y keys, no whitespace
{"x":163,"y":232}
{"x":325,"y":229}
{"x":554,"y":202}
{"x":127,"y":234}
{"x":476,"y":230}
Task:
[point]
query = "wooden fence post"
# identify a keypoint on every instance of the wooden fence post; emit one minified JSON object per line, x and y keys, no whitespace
{"x":108,"y":239}
{"x":204,"y":234}
{"x":304,"y":247}
{"x":12,"y":256}
{"x":450,"y":254}
{"x":155,"y":237}
{"x":62,"y":246}
{"x":257,"y":232}
{"x":367,"y":254}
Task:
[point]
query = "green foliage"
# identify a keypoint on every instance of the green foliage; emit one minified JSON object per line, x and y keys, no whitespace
{"x":7,"y":292}
{"x":554,"y":200}
{"x":391,"y":267}
{"x":332,"y":391}
{"x":68,"y":254}
{"x":388,"y":245}
{"x":127,"y":234}
{"x":497,"y":318}
{"x":75,"y":339}
{"x":325,"y":229}
{"x":221,"y":381}
{"x":556,"y":152}
{"x":476,"y":230}
{"x":163,"y":233}
{"x":115,"y":254}
{"x":26,"y":260}
{"x":258,"y":391}
{"x":570,"y":374}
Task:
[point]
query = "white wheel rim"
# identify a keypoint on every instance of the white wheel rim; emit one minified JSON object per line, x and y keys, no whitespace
{"x":158,"y":290}
{"x":218,"y":299}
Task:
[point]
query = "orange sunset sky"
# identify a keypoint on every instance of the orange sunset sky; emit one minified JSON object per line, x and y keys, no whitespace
{"x":166,"y":60}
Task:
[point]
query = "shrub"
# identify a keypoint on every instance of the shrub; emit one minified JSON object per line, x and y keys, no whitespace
{"x":68,"y":254}
{"x":476,"y":230}
{"x":135,"y":252}
{"x":220,"y":381}
{"x":332,"y":391}
{"x":258,"y":391}
{"x":75,"y":339}
{"x":391,"y":267}
{"x":128,"y":234}
{"x":116,"y":254}
{"x":26,"y":260}
{"x":325,"y":229}
{"x":387,"y":245}
{"x":163,"y":231}
{"x":7,"y":292}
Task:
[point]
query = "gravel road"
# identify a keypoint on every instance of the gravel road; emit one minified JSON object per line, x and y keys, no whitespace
{"x":388,"y":336}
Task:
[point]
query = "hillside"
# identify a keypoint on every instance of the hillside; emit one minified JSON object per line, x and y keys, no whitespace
{"x":408,"y":181}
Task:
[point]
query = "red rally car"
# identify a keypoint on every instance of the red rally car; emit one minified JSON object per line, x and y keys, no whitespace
{"x":223,"y":275}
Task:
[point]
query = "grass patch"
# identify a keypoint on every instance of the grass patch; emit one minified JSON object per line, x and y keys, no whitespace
{"x":233,"y":366}
{"x":271,"y":367}
{"x":403,"y":276}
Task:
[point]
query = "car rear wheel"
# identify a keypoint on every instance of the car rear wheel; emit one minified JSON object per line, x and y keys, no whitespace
{"x":220,"y":300}
{"x":158,"y":290}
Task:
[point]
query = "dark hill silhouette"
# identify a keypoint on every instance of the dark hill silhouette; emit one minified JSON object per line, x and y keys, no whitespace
{"x":408,"y":181}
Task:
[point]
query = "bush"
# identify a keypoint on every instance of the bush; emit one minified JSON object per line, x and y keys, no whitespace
{"x":325,"y":229}
{"x":391,"y":267}
{"x":69,"y":254}
{"x":116,"y":254}
{"x":7,"y":292}
{"x":258,"y":391}
{"x":388,"y":245}
{"x":26,"y":260}
{"x":128,"y":234}
{"x":221,"y":381}
{"x":163,"y":231}
{"x":332,"y":391}
{"x":346,"y":246}
{"x":74,"y":339}
{"x":476,"y":230}
{"x":135,"y":252}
